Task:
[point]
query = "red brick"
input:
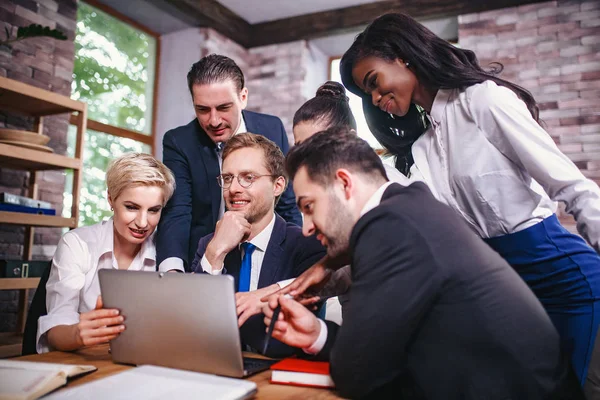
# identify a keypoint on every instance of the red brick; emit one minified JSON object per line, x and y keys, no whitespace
{"x":591,"y":147}
{"x":533,"y":7}
{"x":590,"y":5}
{"x":26,"y":59}
{"x":34,"y":17}
{"x":592,"y":156}
{"x":584,"y":15}
{"x":564,"y":130}
{"x":49,"y":4}
{"x":588,"y":94}
{"x":591,"y":138}
{"x":590,"y":76}
{"x":593,"y":39}
{"x":575,"y":68}
{"x":570,"y":148}
{"x":578,"y":33}
{"x":560,"y":113}
{"x":25,"y":79}
{"x":590,"y":129}
{"x":577,"y":103}
{"x":561,"y":27}
{"x":581,"y":85}
{"x":589,"y":57}
{"x":8,"y":6}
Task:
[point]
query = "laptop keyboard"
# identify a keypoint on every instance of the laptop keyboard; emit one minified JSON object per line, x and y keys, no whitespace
{"x":255,"y":365}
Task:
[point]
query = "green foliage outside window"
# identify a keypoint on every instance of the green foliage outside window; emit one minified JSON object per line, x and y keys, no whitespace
{"x":114,"y":75}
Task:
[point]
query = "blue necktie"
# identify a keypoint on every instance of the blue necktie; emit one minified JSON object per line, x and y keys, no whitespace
{"x":244,"y":284}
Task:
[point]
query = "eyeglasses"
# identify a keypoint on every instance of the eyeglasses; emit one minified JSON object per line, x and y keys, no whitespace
{"x":245,"y":179}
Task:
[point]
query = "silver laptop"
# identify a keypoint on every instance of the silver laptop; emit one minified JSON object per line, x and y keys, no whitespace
{"x":183,"y":321}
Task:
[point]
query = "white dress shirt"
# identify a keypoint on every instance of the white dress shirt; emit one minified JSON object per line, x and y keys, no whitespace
{"x":487,"y":158}
{"x":176,"y":263}
{"x":396,"y":176}
{"x":261,"y":241}
{"x":373,"y":202}
{"x":73,"y":286}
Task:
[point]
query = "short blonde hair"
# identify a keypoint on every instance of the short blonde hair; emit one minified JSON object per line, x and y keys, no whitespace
{"x":139,"y":169}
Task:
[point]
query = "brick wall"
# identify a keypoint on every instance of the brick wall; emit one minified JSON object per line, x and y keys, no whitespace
{"x":45,"y":63}
{"x":553,"y":50}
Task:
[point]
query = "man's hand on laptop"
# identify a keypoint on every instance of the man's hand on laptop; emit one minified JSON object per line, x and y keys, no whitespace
{"x":305,"y":287}
{"x":230,"y":231}
{"x":250,"y":303}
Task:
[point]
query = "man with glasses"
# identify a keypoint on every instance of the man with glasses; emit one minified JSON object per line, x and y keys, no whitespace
{"x":251,"y":242}
{"x":194,"y":153}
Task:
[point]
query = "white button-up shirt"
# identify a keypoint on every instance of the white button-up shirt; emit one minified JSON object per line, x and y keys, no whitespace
{"x":73,"y":285}
{"x":487,"y":158}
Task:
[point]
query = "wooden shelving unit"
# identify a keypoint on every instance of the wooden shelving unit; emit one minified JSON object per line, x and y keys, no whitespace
{"x":20,"y":98}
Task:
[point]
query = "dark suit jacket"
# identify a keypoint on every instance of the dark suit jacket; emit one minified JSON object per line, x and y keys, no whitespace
{"x":193,"y":210}
{"x":431,"y":301}
{"x":288,"y":254}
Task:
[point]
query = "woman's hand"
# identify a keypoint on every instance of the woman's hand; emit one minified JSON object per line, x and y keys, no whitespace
{"x":98,"y":326}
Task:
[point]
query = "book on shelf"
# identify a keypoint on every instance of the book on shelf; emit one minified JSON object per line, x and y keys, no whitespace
{"x":26,"y":209}
{"x":23,"y":201}
{"x":31,"y":380}
{"x":294,"y":371}
{"x":151,"y":382}
{"x":23,"y":268}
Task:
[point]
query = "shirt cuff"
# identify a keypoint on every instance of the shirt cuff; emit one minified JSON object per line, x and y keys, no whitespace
{"x":47,"y":322}
{"x":318,"y":345}
{"x":206,"y":267}
{"x":286,"y":282}
{"x":171,"y":263}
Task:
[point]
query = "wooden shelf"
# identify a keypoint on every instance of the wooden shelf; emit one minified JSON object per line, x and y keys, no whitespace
{"x":17,"y":157}
{"x":17,"y":218}
{"x":19,"y":283}
{"x":26,"y":99}
{"x":10,"y":344}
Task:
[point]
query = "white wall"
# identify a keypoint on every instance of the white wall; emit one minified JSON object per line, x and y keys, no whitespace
{"x":317,"y":70}
{"x":179,"y":50}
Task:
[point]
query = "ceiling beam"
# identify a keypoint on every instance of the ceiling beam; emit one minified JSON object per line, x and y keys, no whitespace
{"x":325,"y":23}
{"x":212,"y":14}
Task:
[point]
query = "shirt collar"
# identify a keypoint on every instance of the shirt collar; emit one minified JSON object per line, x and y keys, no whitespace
{"x":261,"y":241}
{"x":148,"y":250}
{"x":375,"y":199}
{"x":439,"y":104}
{"x":242,"y":128}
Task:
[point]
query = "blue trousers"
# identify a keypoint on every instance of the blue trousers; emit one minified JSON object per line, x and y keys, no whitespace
{"x":564,"y":273}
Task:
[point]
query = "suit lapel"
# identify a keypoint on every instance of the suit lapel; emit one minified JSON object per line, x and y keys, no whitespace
{"x":251,"y":125}
{"x":211,"y":164}
{"x":273,"y":255}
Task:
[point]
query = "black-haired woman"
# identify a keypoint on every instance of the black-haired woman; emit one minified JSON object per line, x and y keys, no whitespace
{"x":484,"y":153}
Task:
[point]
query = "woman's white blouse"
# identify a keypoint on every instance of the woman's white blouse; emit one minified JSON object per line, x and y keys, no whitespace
{"x":73,"y":285}
{"x":486,"y":157}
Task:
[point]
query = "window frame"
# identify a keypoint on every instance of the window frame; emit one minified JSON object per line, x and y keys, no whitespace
{"x":115,"y":130}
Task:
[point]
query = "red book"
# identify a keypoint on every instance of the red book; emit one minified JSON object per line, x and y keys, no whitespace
{"x":293,"y":371}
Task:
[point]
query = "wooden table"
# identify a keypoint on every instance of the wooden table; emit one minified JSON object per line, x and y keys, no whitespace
{"x":100,"y":358}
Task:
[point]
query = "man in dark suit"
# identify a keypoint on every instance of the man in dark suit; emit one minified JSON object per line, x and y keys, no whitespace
{"x":431,"y":307}
{"x":251,"y":242}
{"x":193,"y":153}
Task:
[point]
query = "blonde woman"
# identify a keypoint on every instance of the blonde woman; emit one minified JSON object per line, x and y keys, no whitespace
{"x":138,"y":188}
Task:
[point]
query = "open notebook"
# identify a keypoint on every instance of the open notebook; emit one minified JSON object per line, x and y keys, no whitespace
{"x":150,"y":382}
{"x":30,"y":380}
